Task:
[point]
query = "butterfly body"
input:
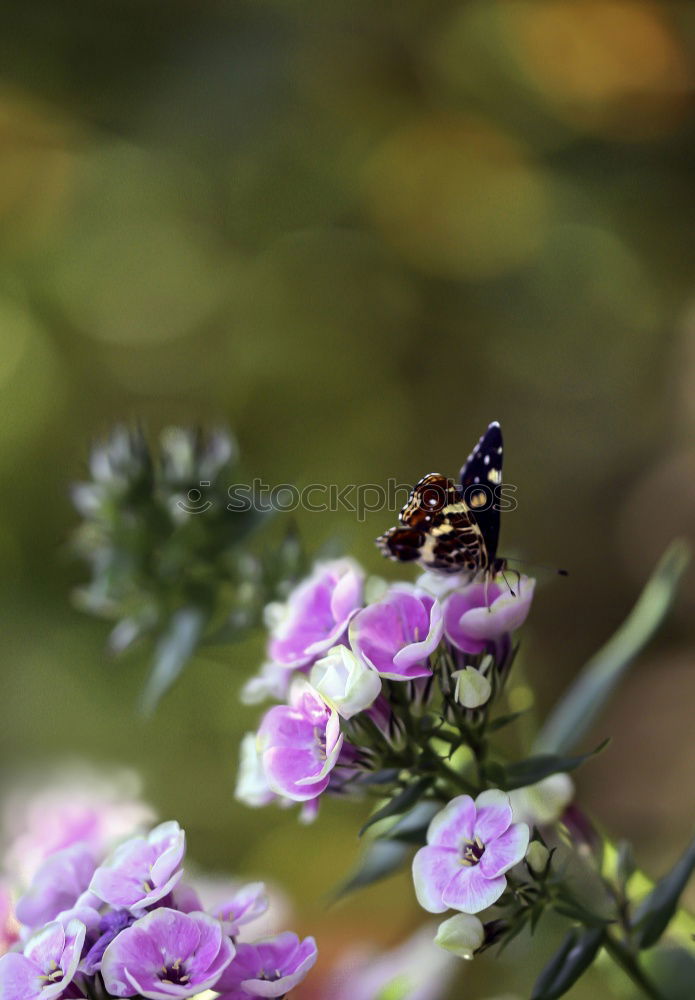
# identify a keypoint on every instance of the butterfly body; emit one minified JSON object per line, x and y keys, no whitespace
{"x":453,"y":527}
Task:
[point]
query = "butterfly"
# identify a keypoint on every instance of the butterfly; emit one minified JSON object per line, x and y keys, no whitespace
{"x":453,"y":527}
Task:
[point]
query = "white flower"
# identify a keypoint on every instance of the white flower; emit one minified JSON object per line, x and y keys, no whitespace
{"x":462,"y":934}
{"x":344,"y":682}
{"x":473,"y":688}
{"x":272,"y":681}
{"x":252,"y":786}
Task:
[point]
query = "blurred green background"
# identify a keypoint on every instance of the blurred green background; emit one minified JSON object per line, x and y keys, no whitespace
{"x":355,"y":233}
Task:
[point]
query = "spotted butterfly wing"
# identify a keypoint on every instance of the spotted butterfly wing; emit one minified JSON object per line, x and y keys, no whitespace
{"x":480,"y":476}
{"x":437,"y":529}
{"x":452,"y":528}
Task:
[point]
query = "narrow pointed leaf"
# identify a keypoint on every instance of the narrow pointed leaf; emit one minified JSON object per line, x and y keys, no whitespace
{"x":573,"y":958}
{"x":655,"y":912}
{"x":579,"y":708}
{"x":505,"y":720}
{"x":399,"y":804}
{"x":533,"y":769}
{"x":381,"y":859}
{"x":173,"y":651}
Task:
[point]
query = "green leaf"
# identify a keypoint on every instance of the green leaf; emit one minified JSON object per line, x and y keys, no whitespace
{"x":578,"y":709}
{"x":400,"y":803}
{"x":505,"y":720}
{"x":533,"y":769}
{"x":674,"y":970}
{"x":625,"y":866}
{"x":655,"y":912}
{"x":573,"y":958}
{"x":174,"y":649}
{"x":412,"y":827}
{"x":381,"y":859}
{"x":383,"y":777}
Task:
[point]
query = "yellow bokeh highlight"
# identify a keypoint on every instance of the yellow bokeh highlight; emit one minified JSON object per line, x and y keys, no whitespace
{"x":457,"y":196}
{"x":613,"y":67}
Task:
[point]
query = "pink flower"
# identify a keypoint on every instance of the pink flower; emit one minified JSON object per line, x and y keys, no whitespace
{"x":166,"y":954}
{"x":317,"y":614}
{"x":60,"y":884}
{"x":300,"y":744}
{"x":78,"y":806}
{"x":9,"y":928}
{"x":47,"y":966}
{"x":397,"y":634}
{"x":415,"y":970}
{"x":480,"y":614}
{"x":269,"y":968}
{"x":470,"y":845}
{"x":142,"y":870}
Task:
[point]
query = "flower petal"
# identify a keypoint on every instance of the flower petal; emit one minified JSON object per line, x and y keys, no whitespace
{"x":506,"y":851}
{"x":286,"y":768}
{"x":433,"y":870}
{"x":494,"y":814}
{"x":20,"y":979}
{"x":454,"y":824}
{"x":470,"y":892}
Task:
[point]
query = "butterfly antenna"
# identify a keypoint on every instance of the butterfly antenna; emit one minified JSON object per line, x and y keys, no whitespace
{"x":551,"y":569}
{"x":511,"y":591}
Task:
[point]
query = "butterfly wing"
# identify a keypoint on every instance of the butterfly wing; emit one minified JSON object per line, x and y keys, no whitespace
{"x":402,"y":544}
{"x":480,"y":477}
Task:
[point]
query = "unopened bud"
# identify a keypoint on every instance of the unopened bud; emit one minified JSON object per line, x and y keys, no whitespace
{"x":462,"y":934}
{"x":473,"y":688}
{"x":537,"y":857}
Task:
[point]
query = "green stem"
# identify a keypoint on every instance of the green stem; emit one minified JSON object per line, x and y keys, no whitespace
{"x":453,"y":776}
{"x":630,"y":966}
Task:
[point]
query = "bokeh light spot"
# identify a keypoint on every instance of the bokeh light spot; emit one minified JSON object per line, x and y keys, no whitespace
{"x":608,"y":66}
{"x":457,"y":197}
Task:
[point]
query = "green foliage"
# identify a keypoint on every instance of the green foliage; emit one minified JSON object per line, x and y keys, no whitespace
{"x":380,"y":859}
{"x":572,"y":959}
{"x":573,"y":716}
{"x":655,"y":912}
{"x":170,"y":558}
{"x":533,"y":769}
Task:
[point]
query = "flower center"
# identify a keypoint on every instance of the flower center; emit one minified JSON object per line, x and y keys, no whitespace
{"x":320,"y":738}
{"x":269,"y":977}
{"x":174,"y":974}
{"x":472,"y":851}
{"x":54,"y":974}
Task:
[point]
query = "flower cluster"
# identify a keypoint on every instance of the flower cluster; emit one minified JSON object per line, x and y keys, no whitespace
{"x":389,"y":689}
{"x":361,"y":679}
{"x":128,"y":925}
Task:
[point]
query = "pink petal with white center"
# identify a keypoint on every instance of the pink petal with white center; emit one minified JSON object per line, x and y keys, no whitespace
{"x":494,"y":814}
{"x":285,"y":768}
{"x":506,"y":851}
{"x":433,"y":870}
{"x":328,"y":764}
{"x":283,"y":726}
{"x":506,"y":613}
{"x":470,"y":892}
{"x":454,"y":824}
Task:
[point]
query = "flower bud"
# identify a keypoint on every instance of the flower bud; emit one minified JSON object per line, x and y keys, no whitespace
{"x":537,"y":857}
{"x":473,"y":689}
{"x":344,"y":682}
{"x":462,"y":934}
